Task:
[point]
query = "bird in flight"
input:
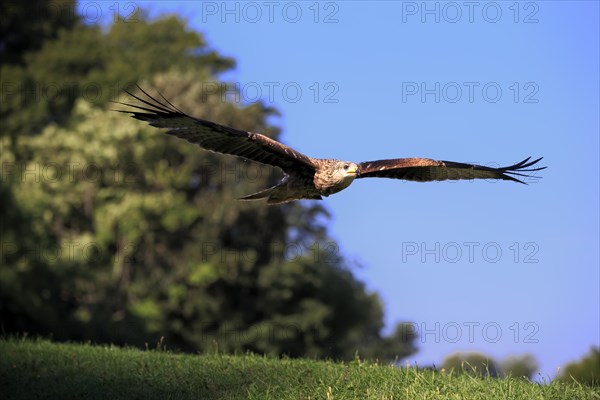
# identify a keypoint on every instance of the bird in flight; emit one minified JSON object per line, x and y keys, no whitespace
{"x":306,"y":177}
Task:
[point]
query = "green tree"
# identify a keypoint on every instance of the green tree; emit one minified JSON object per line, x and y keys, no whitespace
{"x":478,"y":364}
{"x":519,"y":366}
{"x":585,"y":371}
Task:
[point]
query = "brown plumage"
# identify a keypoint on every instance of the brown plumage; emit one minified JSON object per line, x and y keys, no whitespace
{"x":307,"y":177}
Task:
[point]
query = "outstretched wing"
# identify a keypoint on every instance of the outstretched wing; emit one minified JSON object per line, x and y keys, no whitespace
{"x":427,"y":170}
{"x":218,"y":138}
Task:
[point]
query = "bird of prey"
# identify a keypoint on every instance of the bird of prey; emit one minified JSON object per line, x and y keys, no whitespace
{"x":306,"y":177}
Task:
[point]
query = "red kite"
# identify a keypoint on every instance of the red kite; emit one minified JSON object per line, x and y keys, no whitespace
{"x":307,"y":177}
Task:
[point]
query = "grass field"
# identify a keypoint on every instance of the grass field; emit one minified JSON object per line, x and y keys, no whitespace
{"x":36,"y":369}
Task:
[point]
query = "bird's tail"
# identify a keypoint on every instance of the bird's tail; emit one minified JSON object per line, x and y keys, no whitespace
{"x":263,"y":194}
{"x":277,"y":194}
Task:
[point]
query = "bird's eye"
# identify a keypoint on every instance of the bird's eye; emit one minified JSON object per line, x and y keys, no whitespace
{"x":346,"y":166}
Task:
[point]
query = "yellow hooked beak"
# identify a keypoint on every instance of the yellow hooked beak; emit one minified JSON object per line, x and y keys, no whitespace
{"x":353,"y":169}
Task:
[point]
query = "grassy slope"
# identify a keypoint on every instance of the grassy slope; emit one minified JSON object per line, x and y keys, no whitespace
{"x":41,"y":369}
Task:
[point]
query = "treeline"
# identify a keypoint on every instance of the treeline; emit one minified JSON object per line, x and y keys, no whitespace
{"x":584,"y":371}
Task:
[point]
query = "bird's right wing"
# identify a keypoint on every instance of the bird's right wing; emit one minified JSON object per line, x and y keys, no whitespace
{"x":427,"y":170}
{"x":218,"y":138}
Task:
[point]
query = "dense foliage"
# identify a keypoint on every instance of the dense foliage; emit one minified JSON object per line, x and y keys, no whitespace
{"x":478,"y":364}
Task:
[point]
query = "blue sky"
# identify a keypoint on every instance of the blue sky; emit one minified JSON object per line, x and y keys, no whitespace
{"x":495,"y":267}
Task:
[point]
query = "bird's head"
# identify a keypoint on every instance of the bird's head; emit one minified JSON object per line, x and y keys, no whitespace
{"x":332,"y":176}
{"x":345,"y":171}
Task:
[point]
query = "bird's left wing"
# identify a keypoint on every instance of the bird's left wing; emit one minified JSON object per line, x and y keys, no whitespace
{"x":218,"y":138}
{"x":427,"y":170}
